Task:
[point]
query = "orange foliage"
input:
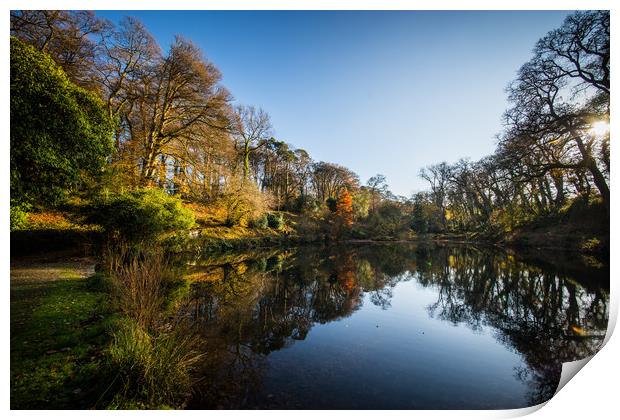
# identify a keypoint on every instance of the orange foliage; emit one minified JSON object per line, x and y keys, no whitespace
{"x":344,"y":208}
{"x":47,"y":220}
{"x":54,"y":220}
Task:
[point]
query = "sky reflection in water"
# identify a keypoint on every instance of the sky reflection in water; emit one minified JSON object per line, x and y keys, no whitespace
{"x":397,"y":326}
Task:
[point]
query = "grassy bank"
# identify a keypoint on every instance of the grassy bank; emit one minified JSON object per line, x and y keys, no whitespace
{"x":83,"y":340}
{"x":58,"y":332}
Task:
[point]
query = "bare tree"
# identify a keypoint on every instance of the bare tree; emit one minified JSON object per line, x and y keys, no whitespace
{"x":129,"y":54}
{"x":550,"y":111}
{"x":329,"y":178}
{"x":251,"y":130}
{"x":69,"y":37}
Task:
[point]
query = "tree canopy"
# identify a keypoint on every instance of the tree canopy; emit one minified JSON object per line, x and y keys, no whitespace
{"x":60,"y":132}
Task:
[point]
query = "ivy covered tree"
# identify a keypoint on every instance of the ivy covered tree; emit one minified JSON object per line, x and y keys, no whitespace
{"x":60,"y":132}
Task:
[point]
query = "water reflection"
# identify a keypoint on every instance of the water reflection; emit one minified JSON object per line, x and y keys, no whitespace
{"x":249,"y":307}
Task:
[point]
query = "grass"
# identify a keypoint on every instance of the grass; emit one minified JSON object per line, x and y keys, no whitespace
{"x":137,"y":283}
{"x":82,"y":340}
{"x":58,"y":331}
{"x":153,"y":369}
{"x":153,"y":350}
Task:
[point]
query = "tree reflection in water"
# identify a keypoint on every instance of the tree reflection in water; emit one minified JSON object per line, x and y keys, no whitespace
{"x":248,"y":306}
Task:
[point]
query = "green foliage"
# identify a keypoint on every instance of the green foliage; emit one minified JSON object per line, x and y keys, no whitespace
{"x":426,"y":218}
{"x":19,"y":216}
{"x":261,"y":222}
{"x":387,"y":222}
{"x":99,"y":282}
{"x":143,"y":215}
{"x":305,"y":203}
{"x":361,"y":204}
{"x":60,"y":133}
{"x":275,"y":220}
{"x":153,"y":371}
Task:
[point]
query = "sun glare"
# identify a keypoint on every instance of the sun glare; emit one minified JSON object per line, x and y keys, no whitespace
{"x":599,"y":128}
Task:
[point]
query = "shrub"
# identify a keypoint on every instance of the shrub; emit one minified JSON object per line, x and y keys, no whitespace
{"x":242,"y":202}
{"x":275,"y":220}
{"x":261,"y":222}
{"x":99,"y":282}
{"x":61,"y":134}
{"x":19,"y":216}
{"x":143,"y":215}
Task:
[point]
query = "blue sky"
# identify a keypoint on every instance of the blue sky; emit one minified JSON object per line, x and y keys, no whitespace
{"x":377,"y":91}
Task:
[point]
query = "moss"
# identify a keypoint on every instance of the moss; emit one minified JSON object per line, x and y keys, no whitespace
{"x":58,"y":329}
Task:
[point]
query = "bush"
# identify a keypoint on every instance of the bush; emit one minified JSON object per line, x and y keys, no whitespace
{"x":275,"y":220}
{"x":143,"y":215}
{"x":61,"y":134}
{"x":19,"y":217}
{"x":242,"y":202}
{"x":99,"y":282}
{"x":261,"y":222}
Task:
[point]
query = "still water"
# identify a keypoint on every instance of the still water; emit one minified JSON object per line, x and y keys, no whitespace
{"x":400,"y":326}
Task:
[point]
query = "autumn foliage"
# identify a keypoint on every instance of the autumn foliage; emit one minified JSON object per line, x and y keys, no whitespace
{"x":344,"y":210}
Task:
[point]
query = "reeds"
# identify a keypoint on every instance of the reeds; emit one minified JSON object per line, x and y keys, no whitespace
{"x":137,"y":278}
{"x":152,"y":354}
{"x":154,"y":370}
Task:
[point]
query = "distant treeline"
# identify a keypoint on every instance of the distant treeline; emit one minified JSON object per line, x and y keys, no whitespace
{"x":98,"y":108}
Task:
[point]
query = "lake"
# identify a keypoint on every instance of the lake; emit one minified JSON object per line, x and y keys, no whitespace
{"x":398,"y":326}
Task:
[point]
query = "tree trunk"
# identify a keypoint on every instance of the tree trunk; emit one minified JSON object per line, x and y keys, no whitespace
{"x":590,"y":164}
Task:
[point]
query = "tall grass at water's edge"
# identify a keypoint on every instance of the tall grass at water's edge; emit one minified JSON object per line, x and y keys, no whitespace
{"x":152,"y":353}
{"x":153,"y":369}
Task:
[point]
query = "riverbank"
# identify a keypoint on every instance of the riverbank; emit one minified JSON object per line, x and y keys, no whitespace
{"x":59,"y":328}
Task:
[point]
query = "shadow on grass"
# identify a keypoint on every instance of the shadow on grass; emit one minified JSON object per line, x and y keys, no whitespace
{"x":58,"y":329}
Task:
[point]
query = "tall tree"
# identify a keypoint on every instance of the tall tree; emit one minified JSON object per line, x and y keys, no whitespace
{"x":377,"y":186}
{"x":344,"y":211}
{"x":175,"y":101}
{"x":128,"y":54}
{"x":328,"y":179}
{"x":561,"y":92}
{"x":251,"y":130}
